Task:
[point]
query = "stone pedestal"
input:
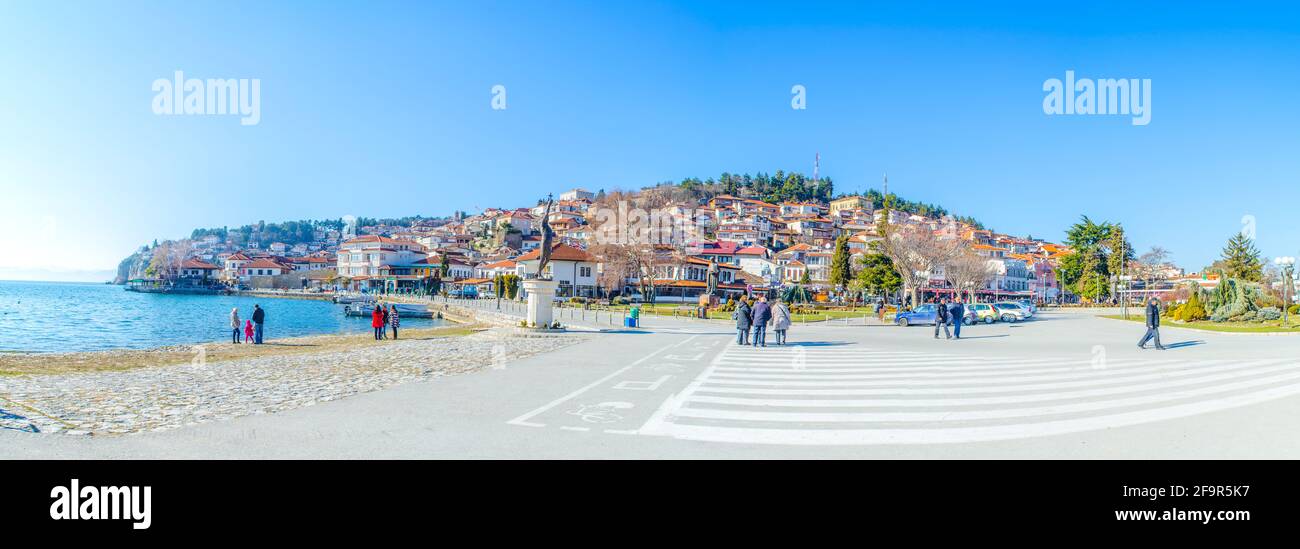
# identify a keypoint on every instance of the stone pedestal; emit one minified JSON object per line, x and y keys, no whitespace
{"x":541,"y":297}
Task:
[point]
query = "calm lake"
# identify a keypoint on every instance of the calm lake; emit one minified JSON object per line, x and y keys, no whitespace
{"x":67,"y":317}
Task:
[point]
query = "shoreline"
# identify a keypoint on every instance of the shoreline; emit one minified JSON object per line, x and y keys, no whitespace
{"x":21,"y":363}
{"x":104,"y":397}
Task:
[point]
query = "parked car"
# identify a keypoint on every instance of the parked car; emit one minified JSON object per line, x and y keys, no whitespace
{"x":466,"y":292}
{"x":1029,"y":306}
{"x":982,"y":312}
{"x":1011,"y":312}
{"x":924,"y":315}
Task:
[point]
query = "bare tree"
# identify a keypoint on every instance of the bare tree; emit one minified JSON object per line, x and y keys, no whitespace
{"x":968,"y":271}
{"x":1150,"y":266}
{"x":916,"y":252}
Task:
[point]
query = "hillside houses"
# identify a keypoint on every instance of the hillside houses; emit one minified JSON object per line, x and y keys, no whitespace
{"x":755,"y":245}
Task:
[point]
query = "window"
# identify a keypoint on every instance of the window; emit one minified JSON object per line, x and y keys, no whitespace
{"x":584,"y":271}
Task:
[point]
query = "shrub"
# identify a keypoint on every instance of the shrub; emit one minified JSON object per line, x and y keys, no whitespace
{"x":1247,"y":316}
{"x":1175,"y":312}
{"x":1269,"y":313}
{"x":1193,"y":310}
{"x":1294,"y":309}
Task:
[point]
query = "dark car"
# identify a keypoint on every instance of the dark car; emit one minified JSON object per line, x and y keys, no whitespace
{"x":924,"y":315}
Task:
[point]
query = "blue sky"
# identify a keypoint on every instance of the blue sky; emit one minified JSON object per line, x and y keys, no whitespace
{"x":383,"y":109}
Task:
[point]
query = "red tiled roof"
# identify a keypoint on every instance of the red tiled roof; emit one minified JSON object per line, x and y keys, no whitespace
{"x":559,"y":252}
{"x":198,"y":264}
{"x":264,"y":264}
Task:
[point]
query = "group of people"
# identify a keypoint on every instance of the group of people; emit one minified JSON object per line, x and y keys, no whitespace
{"x":382,"y":318}
{"x":252,"y":329}
{"x":756,"y":318}
{"x":946,"y":313}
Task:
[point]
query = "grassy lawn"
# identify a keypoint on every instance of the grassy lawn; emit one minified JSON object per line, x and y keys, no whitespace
{"x":673,"y":309}
{"x":120,"y":360}
{"x":1236,"y":327}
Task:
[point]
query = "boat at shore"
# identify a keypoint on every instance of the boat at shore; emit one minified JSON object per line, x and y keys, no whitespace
{"x":404,"y":310}
{"x":158,"y":287}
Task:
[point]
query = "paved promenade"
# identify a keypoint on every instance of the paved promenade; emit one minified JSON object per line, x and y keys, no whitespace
{"x":1065,"y":385}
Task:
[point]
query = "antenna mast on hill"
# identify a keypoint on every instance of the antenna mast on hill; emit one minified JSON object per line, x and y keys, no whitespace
{"x":817,"y":164}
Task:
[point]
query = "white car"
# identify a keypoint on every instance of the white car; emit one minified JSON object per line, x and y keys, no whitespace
{"x":1011,"y":312}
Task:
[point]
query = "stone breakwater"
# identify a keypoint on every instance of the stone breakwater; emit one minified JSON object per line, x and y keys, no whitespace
{"x":169,"y":397}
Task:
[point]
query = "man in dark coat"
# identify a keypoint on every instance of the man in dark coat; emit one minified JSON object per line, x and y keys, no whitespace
{"x":957,"y":312}
{"x":741,"y":315}
{"x":759,"y":316}
{"x":941,"y":315}
{"x":259,"y":316}
{"x":1153,"y":325}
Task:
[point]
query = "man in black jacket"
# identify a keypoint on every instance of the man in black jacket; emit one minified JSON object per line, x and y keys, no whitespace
{"x":741,"y":314}
{"x":1153,"y":325}
{"x":259,"y":316}
{"x":941,"y":316}
{"x":957,"y":312}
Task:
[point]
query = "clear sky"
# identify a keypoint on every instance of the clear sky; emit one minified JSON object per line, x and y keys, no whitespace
{"x":384,"y":109}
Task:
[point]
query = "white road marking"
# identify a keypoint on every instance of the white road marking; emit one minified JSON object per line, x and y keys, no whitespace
{"x":523,"y":420}
{"x":757,"y":397}
{"x":642,"y":385}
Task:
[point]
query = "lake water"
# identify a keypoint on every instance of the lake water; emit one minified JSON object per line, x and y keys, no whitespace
{"x":65,"y":317}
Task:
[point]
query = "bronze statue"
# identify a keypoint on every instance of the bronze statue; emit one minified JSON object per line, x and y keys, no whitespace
{"x":548,"y":234}
{"x":712,"y":277}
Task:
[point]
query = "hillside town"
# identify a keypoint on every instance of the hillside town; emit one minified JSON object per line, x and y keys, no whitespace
{"x":607,"y":246}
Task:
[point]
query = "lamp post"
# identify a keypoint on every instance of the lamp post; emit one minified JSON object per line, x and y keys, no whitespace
{"x":1287,"y":264}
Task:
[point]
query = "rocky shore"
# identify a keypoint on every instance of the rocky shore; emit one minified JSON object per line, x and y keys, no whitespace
{"x":197,"y":386}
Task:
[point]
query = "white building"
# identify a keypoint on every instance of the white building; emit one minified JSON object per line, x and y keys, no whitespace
{"x":577,"y":194}
{"x":572,"y":268}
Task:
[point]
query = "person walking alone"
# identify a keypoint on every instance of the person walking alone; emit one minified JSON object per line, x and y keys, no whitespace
{"x":393,"y":320}
{"x":377,"y":322}
{"x":941,"y":317}
{"x":761,"y":314}
{"x":259,"y":317}
{"x":1153,"y":325}
{"x":741,"y":314}
{"x":958,"y":315}
{"x":234,"y":325}
{"x":780,"y":320}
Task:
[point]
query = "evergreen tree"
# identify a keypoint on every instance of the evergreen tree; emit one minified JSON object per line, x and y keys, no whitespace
{"x":1241,"y":259}
{"x":841,"y":270}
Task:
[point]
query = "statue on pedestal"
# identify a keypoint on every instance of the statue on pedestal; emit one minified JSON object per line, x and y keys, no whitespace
{"x":548,"y":235}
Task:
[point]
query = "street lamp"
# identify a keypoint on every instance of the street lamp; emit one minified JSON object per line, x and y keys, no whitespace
{"x":1287,"y":264}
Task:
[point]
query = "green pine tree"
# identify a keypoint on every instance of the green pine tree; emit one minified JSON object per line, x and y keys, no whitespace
{"x":1241,"y":259}
{"x":841,"y":270}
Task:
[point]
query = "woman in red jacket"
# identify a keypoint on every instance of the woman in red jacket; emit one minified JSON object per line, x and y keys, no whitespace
{"x":377,"y":322}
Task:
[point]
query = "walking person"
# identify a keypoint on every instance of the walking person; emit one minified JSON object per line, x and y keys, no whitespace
{"x":234,"y":325}
{"x":759,"y":316}
{"x":958,"y":315}
{"x":259,"y":317}
{"x":941,"y":318}
{"x":393,"y":320}
{"x":780,"y":320}
{"x":377,"y":322}
{"x":1153,"y":325}
{"x":248,"y":331}
{"x":741,"y":314}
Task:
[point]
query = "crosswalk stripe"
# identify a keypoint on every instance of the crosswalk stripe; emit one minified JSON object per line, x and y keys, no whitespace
{"x":952,"y":435}
{"x":1019,"y":373}
{"x":705,"y":395}
{"x":1089,"y":378}
{"x":973,"y":415}
{"x":941,"y":371}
